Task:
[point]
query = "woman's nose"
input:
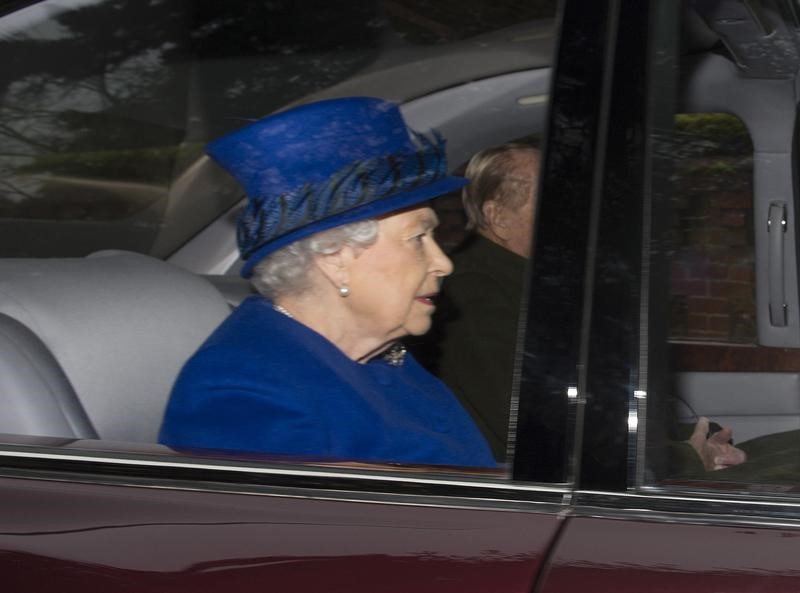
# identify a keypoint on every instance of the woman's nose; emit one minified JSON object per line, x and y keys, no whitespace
{"x":440,"y":263}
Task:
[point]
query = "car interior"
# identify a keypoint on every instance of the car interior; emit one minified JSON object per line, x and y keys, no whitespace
{"x":100,"y":339}
{"x":92,"y":345}
{"x":741,"y":60}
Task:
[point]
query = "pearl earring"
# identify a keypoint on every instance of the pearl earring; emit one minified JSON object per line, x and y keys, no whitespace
{"x":343,"y":291}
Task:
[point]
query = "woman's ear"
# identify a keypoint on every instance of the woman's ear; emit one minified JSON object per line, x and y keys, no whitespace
{"x":335,"y":267}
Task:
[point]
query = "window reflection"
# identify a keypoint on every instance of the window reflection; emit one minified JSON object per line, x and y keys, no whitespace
{"x":105,"y":104}
{"x":712,"y":268}
{"x":717,"y":382}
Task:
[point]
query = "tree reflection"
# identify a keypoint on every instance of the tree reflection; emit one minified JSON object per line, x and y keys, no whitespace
{"x":107,"y":101}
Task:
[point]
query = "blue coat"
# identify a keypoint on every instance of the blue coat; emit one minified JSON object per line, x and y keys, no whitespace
{"x":265,"y":383}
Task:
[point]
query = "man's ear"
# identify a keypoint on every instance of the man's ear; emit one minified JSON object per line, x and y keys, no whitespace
{"x":496,"y":217}
{"x":336,"y":266}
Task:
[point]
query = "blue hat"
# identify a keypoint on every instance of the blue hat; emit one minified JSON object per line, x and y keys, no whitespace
{"x":324,"y":164}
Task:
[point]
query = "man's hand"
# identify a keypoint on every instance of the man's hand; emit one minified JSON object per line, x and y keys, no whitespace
{"x":715,"y":451}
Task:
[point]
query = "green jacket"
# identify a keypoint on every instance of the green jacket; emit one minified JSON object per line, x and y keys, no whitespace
{"x":771,"y":459}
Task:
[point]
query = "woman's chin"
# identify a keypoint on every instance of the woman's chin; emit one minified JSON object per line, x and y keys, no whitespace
{"x":418,"y":327}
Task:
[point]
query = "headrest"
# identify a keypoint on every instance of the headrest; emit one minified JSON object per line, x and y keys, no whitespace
{"x":120,"y":325}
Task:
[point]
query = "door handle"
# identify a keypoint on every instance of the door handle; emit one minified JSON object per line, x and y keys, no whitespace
{"x":776,"y":231}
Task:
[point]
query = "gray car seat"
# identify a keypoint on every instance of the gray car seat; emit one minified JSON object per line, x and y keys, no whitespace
{"x":90,"y":347}
{"x":37,"y":398}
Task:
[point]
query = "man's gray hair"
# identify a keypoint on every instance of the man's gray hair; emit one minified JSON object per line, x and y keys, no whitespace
{"x":493,"y":175}
{"x":286,"y":270}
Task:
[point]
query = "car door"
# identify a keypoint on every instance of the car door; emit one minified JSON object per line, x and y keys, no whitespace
{"x":647,"y":516}
{"x":85,"y":530}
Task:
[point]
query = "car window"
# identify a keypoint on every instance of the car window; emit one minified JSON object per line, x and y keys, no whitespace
{"x":667,"y":298}
{"x":103,"y":153}
{"x":719,"y":280}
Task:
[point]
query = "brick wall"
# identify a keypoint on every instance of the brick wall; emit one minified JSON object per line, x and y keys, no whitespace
{"x":713,"y":267}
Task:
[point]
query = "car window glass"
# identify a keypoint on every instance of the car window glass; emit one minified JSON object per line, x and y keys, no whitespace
{"x":103,"y":149}
{"x":718,"y":290}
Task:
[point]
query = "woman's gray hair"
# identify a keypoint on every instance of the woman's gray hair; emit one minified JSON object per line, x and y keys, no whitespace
{"x":286,"y":270}
{"x":494,"y":175}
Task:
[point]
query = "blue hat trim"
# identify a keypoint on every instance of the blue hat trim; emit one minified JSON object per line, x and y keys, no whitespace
{"x":358,"y":191}
{"x":366,"y":211}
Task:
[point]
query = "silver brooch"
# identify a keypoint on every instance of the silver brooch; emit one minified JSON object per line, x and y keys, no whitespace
{"x":395,"y":354}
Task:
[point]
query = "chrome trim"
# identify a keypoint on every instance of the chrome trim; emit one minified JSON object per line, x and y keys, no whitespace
{"x":695,"y":507}
{"x":684,"y":518}
{"x":311,"y":482}
{"x":240,"y":467}
{"x":692,"y":496}
{"x":555,"y":506}
{"x":412,"y":489}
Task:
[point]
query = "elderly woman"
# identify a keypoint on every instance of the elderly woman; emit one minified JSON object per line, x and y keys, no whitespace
{"x":338,"y":239}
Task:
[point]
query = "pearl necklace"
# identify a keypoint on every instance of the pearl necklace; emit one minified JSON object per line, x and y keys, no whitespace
{"x":394,"y":355}
{"x":283,"y":310}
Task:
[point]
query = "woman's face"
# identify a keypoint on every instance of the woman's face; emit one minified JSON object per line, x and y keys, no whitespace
{"x":393,"y":282}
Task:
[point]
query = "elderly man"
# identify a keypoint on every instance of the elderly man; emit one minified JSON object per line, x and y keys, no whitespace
{"x":476,"y":323}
